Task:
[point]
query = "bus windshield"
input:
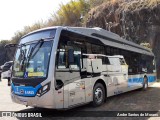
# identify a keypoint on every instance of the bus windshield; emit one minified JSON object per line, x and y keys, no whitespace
{"x":33,"y":54}
{"x":32,"y":60}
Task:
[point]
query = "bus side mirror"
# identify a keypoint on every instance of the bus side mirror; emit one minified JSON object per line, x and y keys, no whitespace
{"x":70,"y":56}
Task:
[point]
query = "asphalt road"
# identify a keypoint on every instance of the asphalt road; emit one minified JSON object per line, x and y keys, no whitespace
{"x":131,"y":101}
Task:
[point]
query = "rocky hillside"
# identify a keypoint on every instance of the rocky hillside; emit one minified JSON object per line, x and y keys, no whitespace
{"x":134,"y":20}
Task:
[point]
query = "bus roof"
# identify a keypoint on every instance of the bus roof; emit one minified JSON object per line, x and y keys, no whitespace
{"x":106,"y":37}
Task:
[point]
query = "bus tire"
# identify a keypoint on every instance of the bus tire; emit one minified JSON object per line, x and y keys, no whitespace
{"x":145,"y":83}
{"x":98,"y":95}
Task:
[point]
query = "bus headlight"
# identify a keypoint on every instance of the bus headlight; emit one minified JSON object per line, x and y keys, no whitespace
{"x":44,"y":89}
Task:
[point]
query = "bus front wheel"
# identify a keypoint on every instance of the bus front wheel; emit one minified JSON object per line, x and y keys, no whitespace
{"x":98,"y":95}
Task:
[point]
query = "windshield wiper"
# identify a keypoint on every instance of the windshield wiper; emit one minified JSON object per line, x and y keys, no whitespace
{"x":30,"y":54}
{"x":41,"y":41}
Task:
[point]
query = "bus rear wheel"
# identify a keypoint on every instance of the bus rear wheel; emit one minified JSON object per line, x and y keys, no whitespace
{"x":98,"y":95}
{"x":145,"y":83}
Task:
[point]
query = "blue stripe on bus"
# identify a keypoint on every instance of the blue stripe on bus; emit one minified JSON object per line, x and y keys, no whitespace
{"x":135,"y":80}
{"x":27,"y":91}
{"x":138,"y":81}
{"x":151,"y":78}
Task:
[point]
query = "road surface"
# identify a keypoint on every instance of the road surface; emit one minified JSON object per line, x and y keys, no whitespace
{"x":131,"y":101}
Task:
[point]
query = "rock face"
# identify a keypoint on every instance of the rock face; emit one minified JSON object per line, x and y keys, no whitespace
{"x":134,"y":20}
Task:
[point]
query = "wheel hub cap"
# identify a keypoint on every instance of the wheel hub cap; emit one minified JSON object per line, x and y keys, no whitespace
{"x":99,"y":95}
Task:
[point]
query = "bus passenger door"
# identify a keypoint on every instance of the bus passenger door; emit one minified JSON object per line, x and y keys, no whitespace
{"x":69,"y":69}
{"x":114,"y":80}
{"x":117,"y":75}
{"x":76,"y":93}
{"x":121,"y":75}
{"x":76,"y":85}
{"x":124,"y":71}
{"x":73,"y":89}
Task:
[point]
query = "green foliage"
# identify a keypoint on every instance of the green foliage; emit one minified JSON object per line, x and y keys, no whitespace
{"x":146,"y":45}
{"x":4,"y":42}
{"x":71,"y":13}
{"x":68,"y":14}
{"x":26,"y":29}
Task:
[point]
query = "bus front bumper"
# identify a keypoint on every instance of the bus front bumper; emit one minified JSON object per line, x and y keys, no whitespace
{"x":43,"y":102}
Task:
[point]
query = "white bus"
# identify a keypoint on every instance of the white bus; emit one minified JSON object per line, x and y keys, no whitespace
{"x":63,"y":67}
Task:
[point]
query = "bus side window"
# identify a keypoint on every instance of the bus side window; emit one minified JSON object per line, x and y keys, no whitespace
{"x":105,"y":61}
{"x":62,"y":59}
{"x":77,"y":60}
{"x":114,"y":61}
{"x":88,"y":46}
{"x":97,"y":49}
{"x":107,"y":50}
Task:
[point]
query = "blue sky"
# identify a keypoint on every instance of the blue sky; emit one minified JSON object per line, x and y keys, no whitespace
{"x":15,"y":14}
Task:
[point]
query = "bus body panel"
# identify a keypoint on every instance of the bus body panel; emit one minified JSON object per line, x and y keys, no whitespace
{"x":35,"y":101}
